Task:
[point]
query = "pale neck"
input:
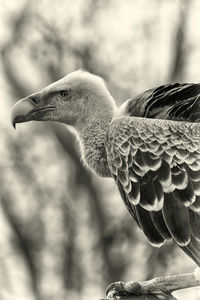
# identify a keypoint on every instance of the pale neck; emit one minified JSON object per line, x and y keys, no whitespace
{"x":92,"y":137}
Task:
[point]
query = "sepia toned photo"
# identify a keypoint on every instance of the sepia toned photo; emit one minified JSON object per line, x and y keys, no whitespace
{"x":100,"y":150}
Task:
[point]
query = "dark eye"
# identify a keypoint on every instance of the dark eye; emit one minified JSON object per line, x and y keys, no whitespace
{"x":64,"y":94}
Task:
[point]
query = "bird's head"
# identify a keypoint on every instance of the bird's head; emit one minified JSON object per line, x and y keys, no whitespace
{"x":75,"y":100}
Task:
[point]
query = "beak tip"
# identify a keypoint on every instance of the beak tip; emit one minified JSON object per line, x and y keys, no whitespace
{"x":20,"y":111}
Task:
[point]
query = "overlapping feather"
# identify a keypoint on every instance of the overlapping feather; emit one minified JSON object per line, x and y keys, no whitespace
{"x":156,"y":164}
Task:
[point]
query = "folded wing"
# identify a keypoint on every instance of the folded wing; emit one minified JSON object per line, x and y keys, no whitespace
{"x":156,"y":165}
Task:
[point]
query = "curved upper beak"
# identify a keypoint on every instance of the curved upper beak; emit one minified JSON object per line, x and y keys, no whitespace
{"x":31,"y":108}
{"x":21,"y":111}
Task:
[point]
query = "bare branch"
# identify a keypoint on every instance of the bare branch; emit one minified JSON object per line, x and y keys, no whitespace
{"x":158,"y":288}
{"x":141,"y":297}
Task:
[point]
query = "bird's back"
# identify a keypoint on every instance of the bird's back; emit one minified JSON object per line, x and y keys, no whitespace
{"x":176,"y":101}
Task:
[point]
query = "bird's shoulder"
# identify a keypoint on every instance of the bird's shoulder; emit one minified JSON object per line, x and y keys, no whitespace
{"x":140,"y":131}
{"x":145,"y":146}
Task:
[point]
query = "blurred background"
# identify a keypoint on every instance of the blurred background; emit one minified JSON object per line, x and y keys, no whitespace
{"x":64,"y":232}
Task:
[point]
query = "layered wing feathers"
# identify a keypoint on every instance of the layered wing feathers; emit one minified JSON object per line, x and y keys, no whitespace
{"x":156,"y":164}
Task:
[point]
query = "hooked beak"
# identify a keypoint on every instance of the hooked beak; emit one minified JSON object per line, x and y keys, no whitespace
{"x":26,"y":110}
{"x":21,"y":110}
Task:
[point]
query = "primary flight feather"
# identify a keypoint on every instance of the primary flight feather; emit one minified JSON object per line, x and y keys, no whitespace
{"x":150,"y":146}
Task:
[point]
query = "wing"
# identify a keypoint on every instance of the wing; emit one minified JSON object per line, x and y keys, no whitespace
{"x":156,"y":165}
{"x":172,"y":101}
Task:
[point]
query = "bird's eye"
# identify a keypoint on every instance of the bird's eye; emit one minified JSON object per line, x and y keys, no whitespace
{"x":64,"y":93}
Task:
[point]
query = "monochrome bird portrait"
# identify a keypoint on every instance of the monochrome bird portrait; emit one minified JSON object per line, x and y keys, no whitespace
{"x":150,"y":146}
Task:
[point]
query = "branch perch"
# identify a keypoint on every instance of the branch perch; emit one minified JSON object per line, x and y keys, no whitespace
{"x":157,"y":288}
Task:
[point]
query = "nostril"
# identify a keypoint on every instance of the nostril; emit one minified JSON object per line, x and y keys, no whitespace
{"x":33,"y":99}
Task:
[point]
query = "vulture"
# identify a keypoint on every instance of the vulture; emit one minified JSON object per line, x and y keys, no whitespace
{"x":150,"y":146}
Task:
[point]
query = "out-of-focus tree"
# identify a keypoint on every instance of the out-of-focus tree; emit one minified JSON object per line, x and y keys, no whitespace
{"x":69,"y":239}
